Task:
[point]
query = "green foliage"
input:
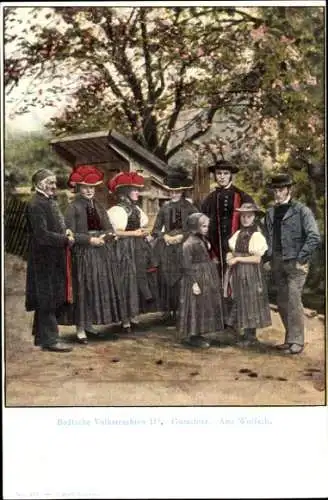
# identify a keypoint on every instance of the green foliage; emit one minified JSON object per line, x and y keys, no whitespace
{"x":139,"y":68}
{"x":24,"y":154}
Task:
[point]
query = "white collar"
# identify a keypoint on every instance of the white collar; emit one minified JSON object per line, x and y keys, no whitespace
{"x":42,"y":192}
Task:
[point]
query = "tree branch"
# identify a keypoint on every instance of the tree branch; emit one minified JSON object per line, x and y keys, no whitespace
{"x":144,"y":36}
{"x":199,"y":133}
{"x":117,"y":92}
{"x":178,"y":104}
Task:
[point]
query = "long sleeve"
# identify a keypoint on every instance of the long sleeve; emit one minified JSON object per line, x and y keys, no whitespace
{"x":312,"y":235}
{"x":159,"y":223}
{"x":104,"y":218}
{"x":205,"y":206}
{"x":38,"y":223}
{"x":70,"y":220}
{"x":187,"y":261}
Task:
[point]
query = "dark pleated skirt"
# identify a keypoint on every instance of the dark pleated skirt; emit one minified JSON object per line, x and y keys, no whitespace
{"x":169,"y":258}
{"x":201,"y":314}
{"x":250,"y":303}
{"x":127,"y":277}
{"x":138,"y":279}
{"x":96,"y":287}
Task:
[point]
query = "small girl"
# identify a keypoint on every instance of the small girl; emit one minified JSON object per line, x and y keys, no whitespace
{"x":201,"y":309}
{"x":244,"y":279}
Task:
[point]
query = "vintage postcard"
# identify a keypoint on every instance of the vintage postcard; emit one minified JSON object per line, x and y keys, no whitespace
{"x":164,"y":216}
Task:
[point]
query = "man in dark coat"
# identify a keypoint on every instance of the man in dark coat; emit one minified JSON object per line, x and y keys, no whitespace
{"x":220,"y":206}
{"x":46,"y":286}
{"x":292,"y":235}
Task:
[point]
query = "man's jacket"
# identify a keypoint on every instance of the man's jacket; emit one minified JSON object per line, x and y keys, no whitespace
{"x":300,"y":234}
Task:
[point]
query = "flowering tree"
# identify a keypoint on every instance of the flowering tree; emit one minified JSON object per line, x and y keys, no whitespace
{"x":166,"y":76}
{"x":139,"y":69}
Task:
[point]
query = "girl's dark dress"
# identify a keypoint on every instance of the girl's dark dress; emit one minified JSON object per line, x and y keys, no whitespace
{"x":250,"y":303}
{"x":199,"y":314}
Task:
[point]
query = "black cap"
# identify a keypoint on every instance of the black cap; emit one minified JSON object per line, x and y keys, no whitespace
{"x":178,"y":178}
{"x":280,"y":180}
{"x":223,"y":165}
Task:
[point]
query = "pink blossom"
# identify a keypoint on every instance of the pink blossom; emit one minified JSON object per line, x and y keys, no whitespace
{"x":166,"y":22}
{"x":286,"y":40}
{"x":277,"y":83}
{"x":258,"y":34}
{"x":295,"y":85}
{"x":312,"y":80}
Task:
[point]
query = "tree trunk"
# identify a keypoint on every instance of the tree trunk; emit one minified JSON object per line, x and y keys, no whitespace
{"x":201,"y":179}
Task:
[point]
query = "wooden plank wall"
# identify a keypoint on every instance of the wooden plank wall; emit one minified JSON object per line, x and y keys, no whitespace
{"x":15,"y":227}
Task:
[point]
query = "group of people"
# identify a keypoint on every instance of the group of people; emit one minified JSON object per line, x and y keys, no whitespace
{"x":203,"y":266}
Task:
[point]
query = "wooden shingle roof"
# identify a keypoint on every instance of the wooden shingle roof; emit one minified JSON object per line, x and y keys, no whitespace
{"x":95,"y":147}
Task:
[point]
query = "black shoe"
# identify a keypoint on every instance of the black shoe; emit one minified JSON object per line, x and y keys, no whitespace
{"x":82,"y":340}
{"x":169,"y":318}
{"x":166,"y":316}
{"x":57,"y":347}
{"x":198,"y":341}
{"x":98,"y":335}
{"x":127,"y":329}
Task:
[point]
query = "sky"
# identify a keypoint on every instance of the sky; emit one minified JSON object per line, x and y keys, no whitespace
{"x":36,"y":117}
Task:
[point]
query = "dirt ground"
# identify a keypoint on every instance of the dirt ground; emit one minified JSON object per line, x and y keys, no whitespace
{"x":151,"y":369}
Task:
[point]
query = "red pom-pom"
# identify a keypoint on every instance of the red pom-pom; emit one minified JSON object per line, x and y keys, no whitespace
{"x":125,"y":179}
{"x":85,"y":174}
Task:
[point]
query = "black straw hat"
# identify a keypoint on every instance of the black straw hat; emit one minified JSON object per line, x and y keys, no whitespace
{"x":223,"y":165}
{"x":178,"y":179}
{"x":280,"y":180}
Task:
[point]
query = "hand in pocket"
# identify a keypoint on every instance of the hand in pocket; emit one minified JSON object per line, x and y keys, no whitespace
{"x":302,"y":267}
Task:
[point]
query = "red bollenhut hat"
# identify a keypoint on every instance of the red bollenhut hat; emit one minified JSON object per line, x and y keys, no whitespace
{"x":129,"y":179}
{"x":87,"y":175}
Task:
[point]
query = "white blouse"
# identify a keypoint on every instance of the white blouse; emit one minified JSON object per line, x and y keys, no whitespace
{"x":119,"y":217}
{"x":257,"y":243}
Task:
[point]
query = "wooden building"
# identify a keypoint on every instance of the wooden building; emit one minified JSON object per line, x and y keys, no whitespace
{"x":112,"y":152}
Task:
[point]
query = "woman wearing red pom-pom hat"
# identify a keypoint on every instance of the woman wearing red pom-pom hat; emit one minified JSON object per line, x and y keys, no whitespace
{"x":134,"y":252}
{"x":96,"y":293}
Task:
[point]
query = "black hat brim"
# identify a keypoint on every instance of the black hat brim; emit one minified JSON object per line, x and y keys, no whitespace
{"x":178,"y":187}
{"x":279,"y":185}
{"x":231,"y":169}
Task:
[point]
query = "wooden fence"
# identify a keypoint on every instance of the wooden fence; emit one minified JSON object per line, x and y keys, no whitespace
{"x":15,"y":227}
